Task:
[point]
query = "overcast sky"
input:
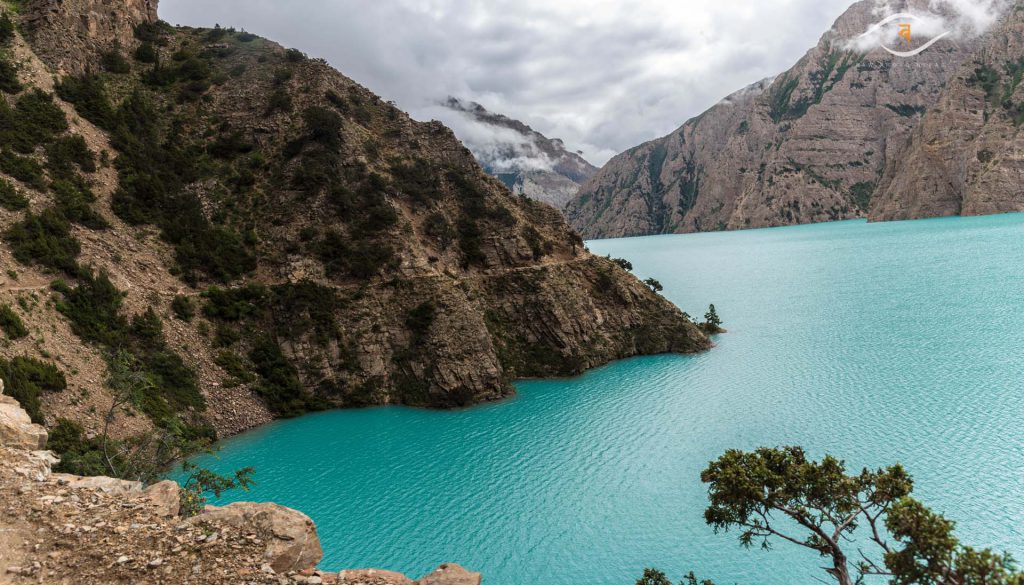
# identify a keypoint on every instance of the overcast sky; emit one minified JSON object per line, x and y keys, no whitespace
{"x":603,"y":75}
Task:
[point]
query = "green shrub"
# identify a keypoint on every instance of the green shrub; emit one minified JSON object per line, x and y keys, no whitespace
{"x":11,"y":324}
{"x":7,"y":29}
{"x":146,"y":53}
{"x":420,"y":319}
{"x":89,"y":95}
{"x":171,"y":388}
{"x":78,"y":455}
{"x":234,"y":304}
{"x":294,"y":56}
{"x":8,"y":77}
{"x":46,"y":240}
{"x":234,"y":365}
{"x":74,"y":202}
{"x":66,"y":152}
{"x":279,"y":384}
{"x":27,"y":378}
{"x":183,"y":308}
{"x":10,"y":199}
{"x":22,"y":168}
{"x":35,"y":120}
{"x":93,"y":307}
{"x":114,"y":62}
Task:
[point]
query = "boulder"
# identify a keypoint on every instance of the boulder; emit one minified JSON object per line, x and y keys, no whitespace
{"x":164,"y":496}
{"x":372,"y":577}
{"x":292,"y":542}
{"x":99,"y":483}
{"x":16,"y":428}
{"x":450,"y":574}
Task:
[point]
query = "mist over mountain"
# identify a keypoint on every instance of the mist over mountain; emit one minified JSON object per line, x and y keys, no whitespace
{"x":525,"y":160}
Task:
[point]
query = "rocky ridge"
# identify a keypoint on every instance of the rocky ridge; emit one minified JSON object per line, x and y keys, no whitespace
{"x":526,"y":161}
{"x":391,"y":270}
{"x":61,"y":528}
{"x":825,"y":140}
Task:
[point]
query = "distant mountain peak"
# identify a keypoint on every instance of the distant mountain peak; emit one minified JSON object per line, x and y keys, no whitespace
{"x":528,"y":162}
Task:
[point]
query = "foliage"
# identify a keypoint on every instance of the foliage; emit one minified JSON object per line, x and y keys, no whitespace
{"x":420,"y":319}
{"x":825,"y":506}
{"x":27,"y":378}
{"x":183,"y":308}
{"x":66,"y":152}
{"x":654,"y":284}
{"x":21,"y":168}
{"x":712,"y":322}
{"x":8,"y":77}
{"x":138,"y":346}
{"x":74,"y":201}
{"x":146,"y":53}
{"x":10,"y":198}
{"x":622,"y":263}
{"x":78,"y":454}
{"x":861,"y":193}
{"x":46,"y":240}
{"x":279,"y":384}
{"x":7,"y":29}
{"x":154,"y":167}
{"x":35,"y":120}
{"x":114,"y":62}
{"x":653,"y":577}
{"x":11,"y":324}
{"x":201,"y":481}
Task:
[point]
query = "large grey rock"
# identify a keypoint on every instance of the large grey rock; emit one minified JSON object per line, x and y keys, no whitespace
{"x":99,"y":483}
{"x":292,"y":541}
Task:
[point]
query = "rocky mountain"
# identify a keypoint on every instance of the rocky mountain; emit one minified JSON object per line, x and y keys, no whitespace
{"x":525,"y":160}
{"x":837,"y":136}
{"x":201,"y":230}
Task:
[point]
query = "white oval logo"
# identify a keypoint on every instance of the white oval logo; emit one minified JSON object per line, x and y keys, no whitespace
{"x":905,"y":34}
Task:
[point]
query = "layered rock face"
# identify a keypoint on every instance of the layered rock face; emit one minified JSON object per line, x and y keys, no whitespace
{"x":964,"y":158}
{"x":526,"y":161}
{"x":813,"y":144}
{"x":97,"y":25}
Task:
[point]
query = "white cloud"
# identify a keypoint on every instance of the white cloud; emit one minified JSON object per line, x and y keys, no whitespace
{"x":962,"y":19}
{"x":603,"y":75}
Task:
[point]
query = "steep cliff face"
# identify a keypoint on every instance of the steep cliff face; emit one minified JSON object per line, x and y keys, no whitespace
{"x":964,"y":158}
{"x":67,"y":32}
{"x":525,"y":160}
{"x":809,"y":145}
{"x":244,"y":233}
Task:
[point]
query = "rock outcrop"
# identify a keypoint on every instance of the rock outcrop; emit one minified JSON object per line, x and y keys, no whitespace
{"x":61,"y":528}
{"x":330,"y":251}
{"x":16,"y":427}
{"x":819,"y":142}
{"x":526,"y":161}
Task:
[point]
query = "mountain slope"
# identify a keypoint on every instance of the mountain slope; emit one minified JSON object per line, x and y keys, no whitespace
{"x":810,"y":145}
{"x":236,"y":232}
{"x":525,"y":160}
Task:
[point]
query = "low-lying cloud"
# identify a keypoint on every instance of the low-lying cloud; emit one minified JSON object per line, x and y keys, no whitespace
{"x":604,"y":75}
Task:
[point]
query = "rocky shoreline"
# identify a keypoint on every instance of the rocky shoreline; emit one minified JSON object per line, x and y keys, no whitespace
{"x":61,"y":528}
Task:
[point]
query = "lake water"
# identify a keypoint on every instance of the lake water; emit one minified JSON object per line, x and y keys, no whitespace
{"x":879,"y":343}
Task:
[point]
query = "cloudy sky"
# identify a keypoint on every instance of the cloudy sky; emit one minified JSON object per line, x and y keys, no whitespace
{"x":603,"y":75}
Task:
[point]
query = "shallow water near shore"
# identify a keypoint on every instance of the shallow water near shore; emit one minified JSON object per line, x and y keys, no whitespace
{"x":878,"y":343}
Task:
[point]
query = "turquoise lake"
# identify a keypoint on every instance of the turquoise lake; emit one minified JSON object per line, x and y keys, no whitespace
{"x":878,"y":343}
